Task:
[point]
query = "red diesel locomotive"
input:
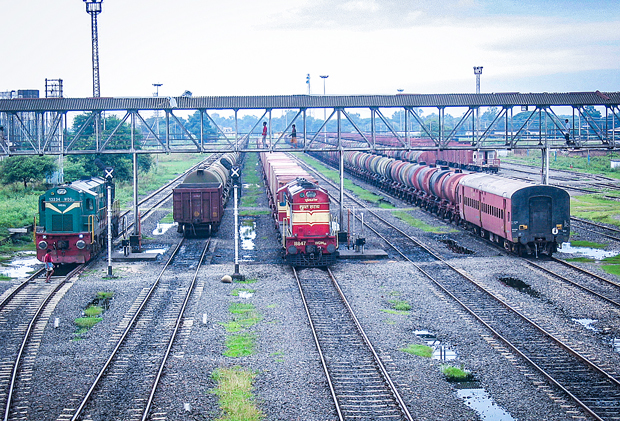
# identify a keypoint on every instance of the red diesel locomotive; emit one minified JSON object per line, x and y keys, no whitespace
{"x":301,"y":210}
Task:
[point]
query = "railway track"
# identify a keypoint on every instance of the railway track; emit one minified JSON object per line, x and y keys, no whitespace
{"x":24,"y":313}
{"x":127,"y":383}
{"x":593,"y":388}
{"x":154,"y":199}
{"x":600,"y":287}
{"x":358,"y":380}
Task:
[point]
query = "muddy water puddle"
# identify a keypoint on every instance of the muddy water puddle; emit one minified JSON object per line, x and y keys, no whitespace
{"x":478,"y":399}
{"x":21,"y":266}
{"x":592,"y":253}
{"x":520,"y":286}
{"x":440,"y":351}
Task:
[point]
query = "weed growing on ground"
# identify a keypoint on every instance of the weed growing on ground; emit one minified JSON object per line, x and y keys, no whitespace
{"x":400,"y":305}
{"x":590,"y":244}
{"x":419,"y":350}
{"x":240,"y":345}
{"x":234,"y":392}
{"x":416,"y":223}
{"x":455,"y":374}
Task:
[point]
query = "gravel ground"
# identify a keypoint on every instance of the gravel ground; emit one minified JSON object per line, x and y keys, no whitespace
{"x":289,"y":383}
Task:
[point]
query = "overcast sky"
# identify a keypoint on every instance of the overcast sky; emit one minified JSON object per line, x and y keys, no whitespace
{"x":250,"y":47}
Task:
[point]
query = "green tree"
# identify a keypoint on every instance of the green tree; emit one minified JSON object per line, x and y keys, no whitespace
{"x":79,"y":166}
{"x":26,"y":169}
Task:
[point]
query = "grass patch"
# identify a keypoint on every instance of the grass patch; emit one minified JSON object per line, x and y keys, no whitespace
{"x":87,"y":322}
{"x":396,"y":312}
{"x":419,"y":350}
{"x":612,"y":269}
{"x":595,"y":207}
{"x":247,"y":281}
{"x":244,"y":316}
{"x":456,"y":374}
{"x":168,"y":219}
{"x":400,"y":305}
{"x":93,"y":311}
{"x":271,"y":306}
{"x":334,"y":176}
{"x":416,"y":223}
{"x":4,"y":277}
{"x":247,"y":212}
{"x":240,"y":345}
{"x":590,"y":244}
{"x":234,"y":392}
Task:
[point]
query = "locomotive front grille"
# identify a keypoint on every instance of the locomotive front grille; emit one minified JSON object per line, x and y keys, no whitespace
{"x":62,"y":222}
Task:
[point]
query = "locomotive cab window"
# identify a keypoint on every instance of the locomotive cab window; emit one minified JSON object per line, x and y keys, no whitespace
{"x":89,"y":204}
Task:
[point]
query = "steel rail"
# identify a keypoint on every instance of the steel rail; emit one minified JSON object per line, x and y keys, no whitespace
{"x":121,"y":340}
{"x":177,"y":325}
{"x":576,"y":284}
{"x":318,"y":346}
{"x":33,"y":321}
{"x":19,"y":287}
{"x":506,"y":341}
{"x":382,"y":369}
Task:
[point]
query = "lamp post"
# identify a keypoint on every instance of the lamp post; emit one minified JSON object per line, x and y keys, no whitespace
{"x":324,"y":110}
{"x":93,"y":8}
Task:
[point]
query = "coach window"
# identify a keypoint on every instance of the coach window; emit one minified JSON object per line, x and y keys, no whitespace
{"x":89,"y":204}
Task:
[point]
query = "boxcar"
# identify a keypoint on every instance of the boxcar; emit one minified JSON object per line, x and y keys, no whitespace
{"x":198,"y":202}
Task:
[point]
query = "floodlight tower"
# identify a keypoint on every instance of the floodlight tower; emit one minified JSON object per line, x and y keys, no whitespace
{"x":93,"y":8}
{"x":477,"y":72}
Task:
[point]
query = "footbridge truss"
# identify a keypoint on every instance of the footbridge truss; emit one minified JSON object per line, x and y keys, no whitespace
{"x":46,"y":126}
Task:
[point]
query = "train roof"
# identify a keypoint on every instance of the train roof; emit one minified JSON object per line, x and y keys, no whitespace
{"x":85,"y":185}
{"x":494,"y":184}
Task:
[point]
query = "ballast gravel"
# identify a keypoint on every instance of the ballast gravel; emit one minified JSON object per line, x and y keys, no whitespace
{"x":289,"y":381}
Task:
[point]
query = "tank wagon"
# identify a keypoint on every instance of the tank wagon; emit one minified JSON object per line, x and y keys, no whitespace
{"x":301,"y":211}
{"x":462,"y":158}
{"x":198,"y":202}
{"x":73,"y":221}
{"x":524,"y":218}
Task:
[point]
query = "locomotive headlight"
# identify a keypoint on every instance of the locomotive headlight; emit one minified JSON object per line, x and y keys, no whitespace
{"x":331,"y":248}
{"x":80,"y":244}
{"x":292,"y":250}
{"x":42,"y":245}
{"x":81,"y":236}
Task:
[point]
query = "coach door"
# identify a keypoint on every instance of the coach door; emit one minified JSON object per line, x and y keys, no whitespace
{"x":540,"y":214}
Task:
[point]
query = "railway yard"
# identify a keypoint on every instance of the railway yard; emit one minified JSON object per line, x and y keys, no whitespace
{"x":538,"y":337}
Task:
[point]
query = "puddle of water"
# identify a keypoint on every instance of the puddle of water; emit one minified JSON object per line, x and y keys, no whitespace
{"x":587,"y":323}
{"x":162,"y":228}
{"x":247,"y":232}
{"x":245,"y":294}
{"x":480,"y":401}
{"x":21,"y":267}
{"x":247,"y":186}
{"x":596,"y":254}
{"x":159,"y":251}
{"x":520,"y":286}
{"x":440,"y":352}
{"x":615,"y":342}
